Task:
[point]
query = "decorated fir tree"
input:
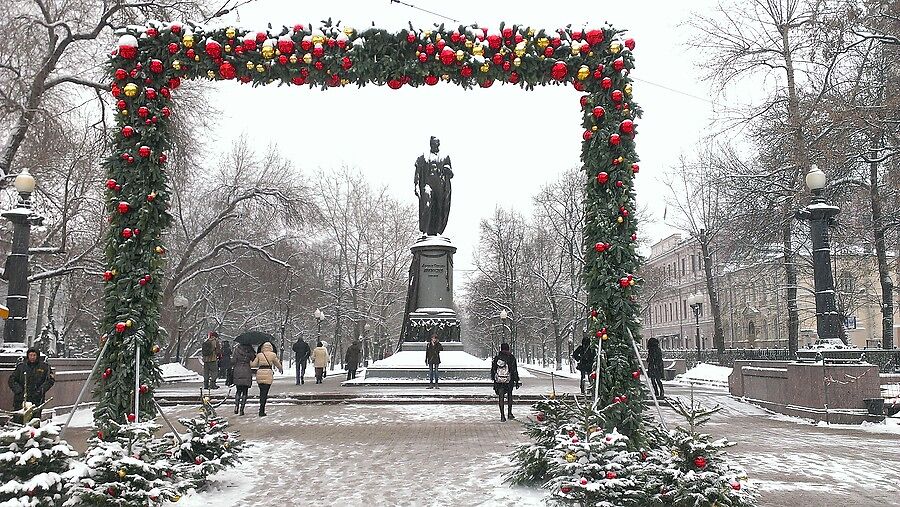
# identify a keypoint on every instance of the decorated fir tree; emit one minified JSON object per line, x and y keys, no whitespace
{"x":208,"y":447}
{"x":127,"y":469}
{"x":33,"y":464}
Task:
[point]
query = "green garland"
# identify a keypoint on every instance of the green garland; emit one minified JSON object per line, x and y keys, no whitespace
{"x":150,"y":63}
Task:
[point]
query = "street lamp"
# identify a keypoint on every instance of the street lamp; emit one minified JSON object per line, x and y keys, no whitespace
{"x":16,"y":270}
{"x":504,"y":316}
{"x":696,"y":303}
{"x":820,"y":215}
{"x":181,"y":303}
{"x":366,"y":328}
{"x":319,"y":317}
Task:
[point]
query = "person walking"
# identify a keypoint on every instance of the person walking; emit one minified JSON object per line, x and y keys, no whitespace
{"x":30,"y":381}
{"x":225,"y":363}
{"x":301,"y":357}
{"x":433,"y":360}
{"x":242,"y":375}
{"x":351,"y":359}
{"x":505,"y":375}
{"x":211,"y":350}
{"x":320,"y":361}
{"x":655,"y":367}
{"x":585,"y":355}
{"x":266,"y":359}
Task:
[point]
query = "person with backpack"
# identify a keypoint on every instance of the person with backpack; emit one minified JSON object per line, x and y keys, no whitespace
{"x":242,"y":375}
{"x":505,"y":375}
{"x":301,"y":357}
{"x":655,"y":367}
{"x":585,"y":355}
{"x":266,"y":360}
{"x":433,"y":360}
{"x":211,"y":350}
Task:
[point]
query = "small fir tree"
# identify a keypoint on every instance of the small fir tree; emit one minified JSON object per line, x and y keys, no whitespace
{"x":208,"y":447}
{"x":33,"y":464}
{"x":126,"y":470}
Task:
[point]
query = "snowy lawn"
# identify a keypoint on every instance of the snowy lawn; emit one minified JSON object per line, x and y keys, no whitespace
{"x":706,"y":374}
{"x":559,"y":373}
{"x":176,"y":372}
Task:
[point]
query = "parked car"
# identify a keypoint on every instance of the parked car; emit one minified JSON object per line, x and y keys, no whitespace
{"x":830,"y":344}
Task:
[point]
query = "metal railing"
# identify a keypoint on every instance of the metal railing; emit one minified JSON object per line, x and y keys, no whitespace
{"x":888,"y":361}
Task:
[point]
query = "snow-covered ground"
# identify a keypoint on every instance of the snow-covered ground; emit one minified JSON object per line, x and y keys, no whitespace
{"x":706,"y":374}
{"x":416,"y":359}
{"x":176,"y":372}
{"x":83,"y":418}
{"x":565,"y":373}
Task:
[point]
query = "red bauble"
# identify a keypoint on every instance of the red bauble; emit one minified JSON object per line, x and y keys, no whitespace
{"x":599,"y":248}
{"x":111,"y":491}
{"x":156,"y":66}
{"x":120,"y":327}
{"x":636,"y":374}
{"x":565,"y":488}
{"x":123,"y":207}
{"x":635,"y":168}
{"x":506,"y":66}
{"x":144,"y":389}
{"x":623,"y":282}
{"x":150,"y":93}
{"x":410,"y":37}
{"x":212,"y":424}
{"x":190,"y":53}
{"x":626,"y":127}
{"x":286,"y":46}
{"x":127,"y":131}
{"x":507,"y":33}
{"x":497,"y":59}
{"x":175,"y":28}
{"x":126,"y":233}
{"x":142,"y":282}
{"x":298,"y":27}
{"x":100,"y":435}
{"x":111,"y":184}
{"x":634,"y":237}
{"x":429,"y":49}
{"x":616,"y":95}
{"x":614,"y":139}
{"x":466,"y":71}
{"x":173,"y":48}
{"x":486,"y":83}
{"x":494,"y":41}
{"x":318,"y":51}
{"x":606,"y":83}
{"x":132,"y":418}
{"x":700,"y":462}
{"x":513,"y":77}
{"x":736,"y":486}
{"x":198,"y":460}
{"x":448,"y":56}
{"x":548,"y":51}
{"x":594,"y":313}
{"x":594,"y":374}
{"x":394,"y":84}
{"x":249,"y":45}
{"x":152,"y":32}
{"x":108,"y":372}
{"x":610,"y":475}
{"x":587,"y":135}
{"x":107,"y":276}
{"x":226,"y":70}
{"x":454,"y":37}
{"x":116,"y":91}
{"x":583,"y":100}
{"x":559,"y":71}
{"x":346,"y":63}
{"x":598,"y":112}
{"x":540,"y":417}
{"x":164,"y":92}
{"x":137,"y":231}
{"x":143,"y":112}
{"x":431,"y":80}
{"x":174,"y":83}
{"x":422,"y":57}
{"x":619,"y":184}
{"x":163,"y":158}
{"x":624,"y":398}
{"x":121,"y":105}
{"x":594,"y":37}
{"x":618,"y":64}
{"x":602,"y":178}
{"x":121,"y":74}
{"x":297,"y":80}
{"x":144,"y":151}
{"x":583,"y":481}
{"x":127,"y":52}
{"x":629,"y":43}
{"x":260,"y":37}
{"x":571,"y":433}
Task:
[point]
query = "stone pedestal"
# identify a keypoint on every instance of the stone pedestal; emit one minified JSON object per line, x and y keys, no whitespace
{"x":432,"y":305}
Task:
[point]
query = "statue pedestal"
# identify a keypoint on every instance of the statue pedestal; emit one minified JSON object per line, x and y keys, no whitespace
{"x":433,"y":309}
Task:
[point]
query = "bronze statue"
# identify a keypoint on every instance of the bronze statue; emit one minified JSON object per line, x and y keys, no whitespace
{"x":432,"y":187}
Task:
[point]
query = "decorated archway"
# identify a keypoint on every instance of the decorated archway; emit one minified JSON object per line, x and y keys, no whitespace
{"x":150,"y":63}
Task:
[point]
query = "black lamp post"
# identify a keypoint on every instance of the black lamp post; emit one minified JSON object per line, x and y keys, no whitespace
{"x":504,"y":317}
{"x":16,"y":271}
{"x":820,"y":215}
{"x":696,"y":303}
{"x":181,"y":303}
{"x":319,"y":318}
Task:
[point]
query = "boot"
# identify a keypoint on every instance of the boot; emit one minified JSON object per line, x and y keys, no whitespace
{"x":502,"y":415}
{"x":242,"y":407}
{"x":236,"y":407}
{"x":510,"y":415}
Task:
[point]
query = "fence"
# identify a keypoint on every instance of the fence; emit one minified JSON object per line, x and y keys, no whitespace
{"x":888,"y":361}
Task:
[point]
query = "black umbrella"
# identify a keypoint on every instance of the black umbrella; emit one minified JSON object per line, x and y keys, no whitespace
{"x":254,"y":338}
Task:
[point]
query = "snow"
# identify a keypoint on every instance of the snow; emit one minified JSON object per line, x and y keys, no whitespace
{"x":83,"y":418}
{"x":565,"y":373}
{"x":890,"y":426}
{"x":708,"y":374}
{"x":176,"y":372}
{"x":416,"y":359}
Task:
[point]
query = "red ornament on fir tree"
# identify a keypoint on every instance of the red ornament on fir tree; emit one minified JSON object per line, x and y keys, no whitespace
{"x":156,"y":66}
{"x":494,"y":41}
{"x":559,"y":71}
{"x":173,"y":48}
{"x":610,"y":475}
{"x":346,"y":63}
{"x":448,"y":56}
{"x":598,"y":112}
{"x":144,"y":151}
{"x":466,"y":71}
{"x":123,"y":207}
{"x":143,"y":112}
{"x":616,"y":95}
{"x":700,"y":462}
{"x":606,"y":83}
{"x":626,"y":127}
{"x":635,"y":168}
{"x":565,"y":488}
{"x":226,"y":70}
{"x":108,"y":372}
{"x":618,"y":64}
{"x":132,"y":418}
{"x":111,"y":184}
{"x":431,"y":80}
{"x":107,"y":276}
{"x":410,"y":37}
{"x":594,"y":37}
{"x":126,"y":233}
{"x":629,"y":43}
{"x":394,"y":84}
{"x":127,"y":131}
{"x":120,"y":327}
{"x":150,"y":93}
{"x":602,"y":177}
{"x":636,"y":374}
{"x":587,"y":135}
{"x":540,"y":417}
{"x":614,"y":139}
{"x":144,"y":389}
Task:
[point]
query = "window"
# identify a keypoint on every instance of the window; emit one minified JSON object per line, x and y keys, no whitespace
{"x":693,"y":264}
{"x":845,"y":282}
{"x":682,"y":266}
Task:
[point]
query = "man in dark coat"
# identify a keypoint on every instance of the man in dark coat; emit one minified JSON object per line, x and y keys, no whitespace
{"x":585,"y":355}
{"x":505,"y":375}
{"x":225,"y":363}
{"x":655,"y":369}
{"x":351,"y":359}
{"x":433,"y":360}
{"x":30,"y":381}
{"x":301,"y":357}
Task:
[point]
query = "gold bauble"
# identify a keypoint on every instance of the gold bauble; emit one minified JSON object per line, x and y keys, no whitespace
{"x":230,"y":33}
{"x":176,"y":64}
{"x":445,"y":77}
{"x":210,"y":74}
{"x":348,"y":31}
{"x":251,"y":65}
{"x":583,"y":72}
{"x":594,"y":128}
{"x":437,"y":37}
{"x":460,"y":54}
{"x":485,"y":67}
{"x":576,"y":50}
{"x":124,"y":112}
{"x":478,"y":50}
{"x":615,"y":47}
{"x":268,"y":52}
{"x":530,"y":32}
{"x":590,"y":53}
{"x":570,"y":457}
{"x":160,"y":250}
{"x":469,"y":44}
{"x":606,"y":336}
{"x":517,"y":62}
{"x":188,"y":40}
{"x":345,"y":82}
{"x":307,"y":58}
{"x":277,"y":52}
{"x":520,"y":48}
{"x":129,"y":323}
{"x":627,"y":89}
{"x":175,"y":498}
{"x":227,"y":48}
{"x":427,"y":33}
{"x":122,"y":473}
{"x":318,"y":39}
{"x":621,"y":159}
{"x":196,"y":58}
{"x":620,"y":220}
{"x":260,"y":68}
{"x":543,"y":42}
{"x":293,"y":59}
{"x":631,"y":282}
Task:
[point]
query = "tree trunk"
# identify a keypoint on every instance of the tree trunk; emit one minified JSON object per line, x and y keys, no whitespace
{"x":790,"y":277}
{"x":718,"y":332}
{"x":887,"y":286}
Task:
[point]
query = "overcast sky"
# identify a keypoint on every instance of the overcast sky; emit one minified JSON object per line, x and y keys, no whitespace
{"x":504,"y":142}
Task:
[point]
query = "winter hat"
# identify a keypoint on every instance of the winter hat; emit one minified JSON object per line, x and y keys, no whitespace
{"x":504,"y":347}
